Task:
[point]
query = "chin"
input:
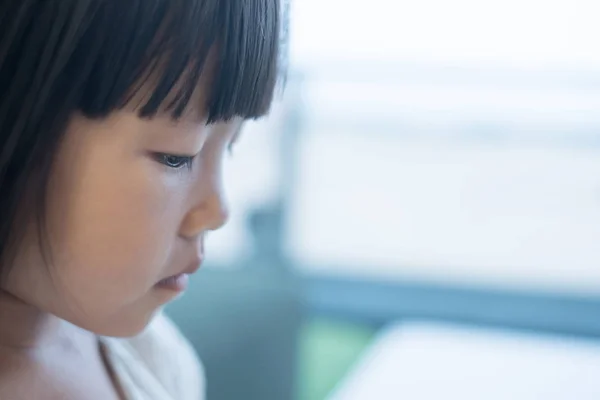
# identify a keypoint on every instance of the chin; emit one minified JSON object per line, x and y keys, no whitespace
{"x":124,"y":326}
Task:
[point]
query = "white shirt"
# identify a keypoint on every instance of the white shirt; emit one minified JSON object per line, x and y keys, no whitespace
{"x":159,"y":364}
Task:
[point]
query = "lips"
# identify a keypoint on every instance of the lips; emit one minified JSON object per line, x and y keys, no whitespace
{"x":193,"y":267}
{"x":175,"y":283}
{"x":179,"y":280}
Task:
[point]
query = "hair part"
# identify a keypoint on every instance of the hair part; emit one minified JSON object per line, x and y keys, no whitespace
{"x":94,"y":57}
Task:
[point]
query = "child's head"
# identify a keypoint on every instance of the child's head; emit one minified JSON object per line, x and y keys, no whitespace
{"x":114,"y":118}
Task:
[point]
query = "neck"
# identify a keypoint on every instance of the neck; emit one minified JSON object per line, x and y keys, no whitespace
{"x":23,"y":326}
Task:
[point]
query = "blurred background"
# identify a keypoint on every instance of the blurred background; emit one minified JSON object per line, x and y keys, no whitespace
{"x":419,"y":217}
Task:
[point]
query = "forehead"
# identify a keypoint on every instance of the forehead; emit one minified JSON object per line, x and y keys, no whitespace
{"x":155,"y":87}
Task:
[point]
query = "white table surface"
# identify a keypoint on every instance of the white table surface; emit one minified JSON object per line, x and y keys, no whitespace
{"x":429,"y":361}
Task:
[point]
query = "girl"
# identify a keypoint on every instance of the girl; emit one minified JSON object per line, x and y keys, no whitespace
{"x":114,"y":119}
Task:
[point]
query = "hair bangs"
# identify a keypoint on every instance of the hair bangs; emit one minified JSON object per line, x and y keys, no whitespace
{"x":158,"y":52}
{"x":94,"y":57}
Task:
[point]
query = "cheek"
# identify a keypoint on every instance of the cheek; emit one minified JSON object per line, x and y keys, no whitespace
{"x":114,"y":226}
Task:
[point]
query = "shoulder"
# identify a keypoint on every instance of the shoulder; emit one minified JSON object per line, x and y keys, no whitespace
{"x":169,"y":357}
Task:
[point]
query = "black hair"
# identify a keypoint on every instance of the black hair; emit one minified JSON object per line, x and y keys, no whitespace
{"x":60,"y":57}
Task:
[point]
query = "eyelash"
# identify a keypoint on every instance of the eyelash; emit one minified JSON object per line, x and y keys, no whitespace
{"x":233,"y":142}
{"x":230,"y":148}
{"x":175,"y":162}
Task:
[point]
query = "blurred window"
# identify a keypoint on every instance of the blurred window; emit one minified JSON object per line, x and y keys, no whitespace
{"x":449,"y":141}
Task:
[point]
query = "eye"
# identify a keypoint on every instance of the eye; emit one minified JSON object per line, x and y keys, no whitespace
{"x":233,"y":141}
{"x":175,"y":161}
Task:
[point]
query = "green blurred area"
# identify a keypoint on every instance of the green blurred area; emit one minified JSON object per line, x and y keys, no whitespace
{"x":328,"y":350}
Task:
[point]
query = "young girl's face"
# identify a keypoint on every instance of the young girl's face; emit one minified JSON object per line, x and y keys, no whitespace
{"x":130,"y":201}
{"x":110,"y":172}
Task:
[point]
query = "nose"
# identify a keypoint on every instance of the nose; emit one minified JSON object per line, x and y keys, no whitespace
{"x":210,"y":214}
